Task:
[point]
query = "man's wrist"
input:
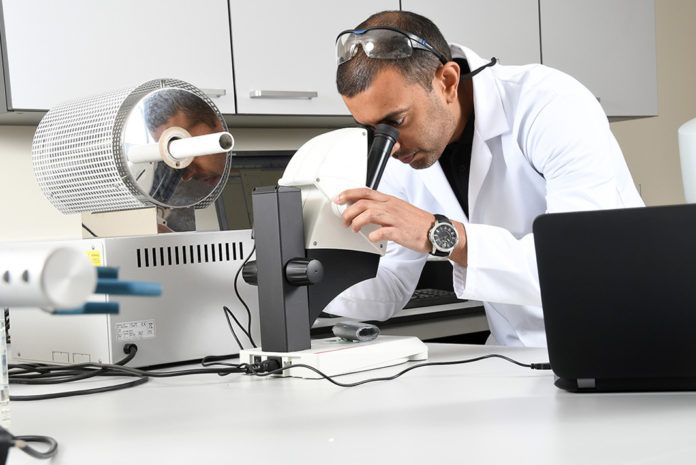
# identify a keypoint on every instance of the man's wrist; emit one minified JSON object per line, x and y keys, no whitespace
{"x":460,"y":253}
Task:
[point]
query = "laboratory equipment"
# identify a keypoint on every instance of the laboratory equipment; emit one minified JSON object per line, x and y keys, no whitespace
{"x":306,"y":256}
{"x":58,"y":280}
{"x":163,"y":144}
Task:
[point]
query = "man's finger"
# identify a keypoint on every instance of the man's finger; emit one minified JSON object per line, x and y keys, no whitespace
{"x":352,"y":195}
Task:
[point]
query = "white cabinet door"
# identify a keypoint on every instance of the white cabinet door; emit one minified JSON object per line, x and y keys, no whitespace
{"x":608,"y":45}
{"x":284,"y":54}
{"x":505,"y":29}
{"x":59,"y":50}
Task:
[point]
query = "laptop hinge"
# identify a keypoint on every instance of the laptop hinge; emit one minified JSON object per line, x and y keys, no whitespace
{"x":586,"y":383}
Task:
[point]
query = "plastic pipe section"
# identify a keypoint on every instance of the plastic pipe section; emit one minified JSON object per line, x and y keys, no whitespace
{"x":385,"y":137}
{"x":183,"y":148}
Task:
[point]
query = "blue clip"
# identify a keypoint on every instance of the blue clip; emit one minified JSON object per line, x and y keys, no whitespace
{"x":108,"y":272}
{"x":90,"y":308}
{"x":116,"y":287}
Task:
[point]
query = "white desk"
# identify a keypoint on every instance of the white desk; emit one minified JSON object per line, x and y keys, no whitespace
{"x":488,"y":412}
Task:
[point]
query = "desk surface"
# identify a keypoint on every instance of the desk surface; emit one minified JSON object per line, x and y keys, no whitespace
{"x":487,"y":412}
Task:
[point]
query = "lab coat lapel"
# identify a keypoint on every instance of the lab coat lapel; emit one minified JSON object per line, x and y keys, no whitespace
{"x":480,"y":163}
{"x":490,"y":122}
{"x":436,"y":182}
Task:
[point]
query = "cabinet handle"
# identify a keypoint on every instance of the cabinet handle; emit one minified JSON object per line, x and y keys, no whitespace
{"x":214,"y":93}
{"x":283,"y":94}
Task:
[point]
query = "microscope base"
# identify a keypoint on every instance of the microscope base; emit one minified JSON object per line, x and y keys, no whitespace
{"x":335,"y":356}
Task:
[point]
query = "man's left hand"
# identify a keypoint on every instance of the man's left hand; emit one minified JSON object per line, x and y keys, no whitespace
{"x":400,"y":221}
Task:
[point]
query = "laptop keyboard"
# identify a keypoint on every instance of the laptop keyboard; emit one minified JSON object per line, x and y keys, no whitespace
{"x":430,"y":297}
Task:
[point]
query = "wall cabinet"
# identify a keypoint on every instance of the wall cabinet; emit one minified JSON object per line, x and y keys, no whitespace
{"x":505,"y":29}
{"x":61,"y":50}
{"x":274,"y":57}
{"x":608,"y":45}
{"x":284,"y":55}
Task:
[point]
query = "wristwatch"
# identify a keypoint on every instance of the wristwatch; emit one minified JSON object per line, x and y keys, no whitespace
{"x":443,"y":236}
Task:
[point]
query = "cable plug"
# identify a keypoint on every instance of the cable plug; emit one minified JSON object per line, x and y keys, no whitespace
{"x":270,"y":364}
{"x":540,"y":366}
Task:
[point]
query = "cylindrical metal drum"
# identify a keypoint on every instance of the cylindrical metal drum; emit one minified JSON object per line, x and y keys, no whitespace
{"x":80,"y":150}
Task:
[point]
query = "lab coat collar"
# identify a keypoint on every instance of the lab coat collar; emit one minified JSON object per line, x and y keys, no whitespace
{"x":491,"y":120}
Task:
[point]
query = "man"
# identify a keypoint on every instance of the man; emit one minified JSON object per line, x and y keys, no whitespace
{"x":180,"y":108}
{"x":485,"y":147}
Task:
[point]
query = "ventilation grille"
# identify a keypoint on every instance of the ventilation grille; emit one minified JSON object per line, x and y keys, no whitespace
{"x":150,"y":257}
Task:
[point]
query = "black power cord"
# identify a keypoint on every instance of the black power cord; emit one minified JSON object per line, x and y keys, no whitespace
{"x":246,"y":307}
{"x":43,"y":374}
{"x":229,"y":314}
{"x":272,"y":366}
{"x":23,"y":443}
{"x":53,"y":374}
{"x":57,"y":374}
{"x":88,"y":230}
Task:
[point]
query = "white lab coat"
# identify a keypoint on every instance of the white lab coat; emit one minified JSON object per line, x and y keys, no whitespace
{"x":542,"y":143}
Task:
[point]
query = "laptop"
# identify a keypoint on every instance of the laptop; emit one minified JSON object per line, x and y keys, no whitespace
{"x":618,"y":288}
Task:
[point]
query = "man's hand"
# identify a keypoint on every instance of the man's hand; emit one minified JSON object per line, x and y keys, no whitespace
{"x":400,"y":221}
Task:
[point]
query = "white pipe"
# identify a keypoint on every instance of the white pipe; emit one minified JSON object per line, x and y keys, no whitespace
{"x":181,"y":149}
{"x":45,"y":277}
{"x":198,"y":146}
{"x":140,"y":153}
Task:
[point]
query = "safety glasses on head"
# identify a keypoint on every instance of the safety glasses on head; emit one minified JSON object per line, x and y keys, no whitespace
{"x":381,"y":42}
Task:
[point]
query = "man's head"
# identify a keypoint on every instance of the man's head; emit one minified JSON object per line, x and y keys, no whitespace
{"x":176,"y":107}
{"x":417,"y":94}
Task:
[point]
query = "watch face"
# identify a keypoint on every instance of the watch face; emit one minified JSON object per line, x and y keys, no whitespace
{"x":445,"y":236}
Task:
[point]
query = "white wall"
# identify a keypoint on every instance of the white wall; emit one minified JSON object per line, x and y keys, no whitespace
{"x":24,"y":211}
{"x":650,"y":144}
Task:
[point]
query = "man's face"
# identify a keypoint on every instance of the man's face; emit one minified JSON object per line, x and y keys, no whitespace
{"x":424,"y":121}
{"x":209,"y":168}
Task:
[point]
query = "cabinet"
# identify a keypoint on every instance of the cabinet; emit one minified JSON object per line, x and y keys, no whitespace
{"x":284,"y":54}
{"x":608,"y":45}
{"x":506,"y":29}
{"x":60,"y":50}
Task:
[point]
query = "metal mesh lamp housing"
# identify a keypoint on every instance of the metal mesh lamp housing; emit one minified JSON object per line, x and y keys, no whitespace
{"x":79,"y":153}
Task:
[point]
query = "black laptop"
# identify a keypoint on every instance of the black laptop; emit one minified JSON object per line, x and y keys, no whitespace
{"x":618,"y":289}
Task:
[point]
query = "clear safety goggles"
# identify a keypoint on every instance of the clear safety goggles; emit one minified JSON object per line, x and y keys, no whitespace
{"x":381,"y":42}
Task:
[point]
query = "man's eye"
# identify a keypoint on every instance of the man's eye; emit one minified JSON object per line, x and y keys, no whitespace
{"x":397,"y":123}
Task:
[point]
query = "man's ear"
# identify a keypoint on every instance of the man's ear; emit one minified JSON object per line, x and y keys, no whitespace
{"x":447,"y":78}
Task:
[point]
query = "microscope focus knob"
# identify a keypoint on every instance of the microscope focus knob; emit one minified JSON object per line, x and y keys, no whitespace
{"x":303,"y":272}
{"x":250,"y":273}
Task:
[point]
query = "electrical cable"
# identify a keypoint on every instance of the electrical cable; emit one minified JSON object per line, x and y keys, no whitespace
{"x":44,"y":374}
{"x":23,"y":444}
{"x":50,"y":374}
{"x":272,"y":366}
{"x":236,"y":291}
{"x":246,"y":333}
{"x":227,"y":313}
{"x":89,"y":230}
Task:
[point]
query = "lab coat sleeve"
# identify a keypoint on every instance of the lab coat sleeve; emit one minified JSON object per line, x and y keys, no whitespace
{"x":569,"y":142}
{"x":397,"y":276}
{"x":379,"y":298}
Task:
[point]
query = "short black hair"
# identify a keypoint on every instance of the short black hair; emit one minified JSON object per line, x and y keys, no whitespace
{"x":164,"y":104}
{"x":357,"y":74}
